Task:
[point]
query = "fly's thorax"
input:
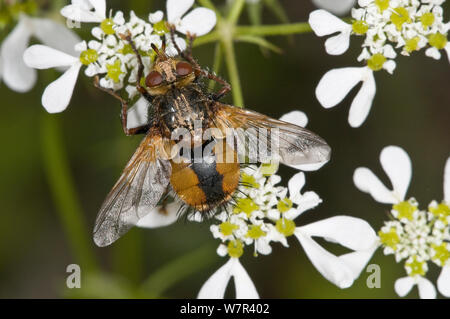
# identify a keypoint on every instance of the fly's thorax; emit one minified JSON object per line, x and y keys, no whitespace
{"x":182,"y":111}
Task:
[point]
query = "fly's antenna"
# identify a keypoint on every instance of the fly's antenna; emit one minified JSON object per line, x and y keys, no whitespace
{"x":161,"y":54}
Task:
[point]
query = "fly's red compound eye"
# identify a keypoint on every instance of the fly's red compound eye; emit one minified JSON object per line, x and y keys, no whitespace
{"x":153,"y":79}
{"x":184,"y":68}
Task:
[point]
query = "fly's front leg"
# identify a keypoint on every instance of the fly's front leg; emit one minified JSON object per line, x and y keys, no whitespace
{"x":187,"y":55}
{"x":226,"y":87}
{"x":124,"y":112}
{"x":140,"y":88}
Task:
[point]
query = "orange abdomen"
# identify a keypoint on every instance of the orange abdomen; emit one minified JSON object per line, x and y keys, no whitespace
{"x":206,"y":185}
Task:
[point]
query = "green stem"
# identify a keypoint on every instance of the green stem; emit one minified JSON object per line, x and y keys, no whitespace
{"x":233,"y":72}
{"x":63,"y":191}
{"x":278,"y":10}
{"x":235,"y":12}
{"x":218,"y":58}
{"x":259,"y":41}
{"x":179,"y":269}
{"x":280,"y":29}
{"x":209,"y":38}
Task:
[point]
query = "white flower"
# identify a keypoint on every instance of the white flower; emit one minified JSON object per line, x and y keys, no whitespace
{"x":304,"y":202}
{"x":197,"y":22}
{"x":388,"y":28}
{"x":413,"y":235}
{"x":337,"y":83}
{"x":443,"y":281}
{"x":215,"y":286}
{"x":435,"y":54}
{"x":397,"y":165}
{"x":324,"y":23}
{"x":336,"y":6}
{"x":57,"y":95}
{"x":426,"y":289}
{"x":264,"y":213}
{"x":353,"y":233}
{"x":85,"y":10}
{"x":16,"y":75}
{"x":160,"y":216}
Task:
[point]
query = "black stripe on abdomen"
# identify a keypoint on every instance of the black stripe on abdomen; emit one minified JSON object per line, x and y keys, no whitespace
{"x":210,"y":181}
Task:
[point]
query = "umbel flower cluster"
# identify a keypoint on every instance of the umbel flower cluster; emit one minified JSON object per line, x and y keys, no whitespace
{"x":21,"y":20}
{"x":265,"y":213}
{"x":414,"y":236}
{"x":389,"y":28}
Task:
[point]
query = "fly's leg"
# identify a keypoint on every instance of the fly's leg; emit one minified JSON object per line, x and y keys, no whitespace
{"x":187,"y":55}
{"x":124,"y":112}
{"x":140,"y":88}
{"x":226,"y":87}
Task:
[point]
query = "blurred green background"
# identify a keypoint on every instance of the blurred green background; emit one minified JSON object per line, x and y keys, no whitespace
{"x":411,"y":110}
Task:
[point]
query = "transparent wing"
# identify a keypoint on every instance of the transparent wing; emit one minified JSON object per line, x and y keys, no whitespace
{"x":260,"y":138}
{"x":139,"y":189}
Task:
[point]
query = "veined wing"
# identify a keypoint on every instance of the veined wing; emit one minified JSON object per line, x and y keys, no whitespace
{"x":261,"y":138}
{"x":138,"y":190}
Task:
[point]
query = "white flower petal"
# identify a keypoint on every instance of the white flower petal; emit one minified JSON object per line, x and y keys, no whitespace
{"x":447,"y":49}
{"x":155,"y":17}
{"x":366,"y":181}
{"x":1,"y":67}
{"x":324,"y":23}
{"x":433,"y":53}
{"x":330,"y":266}
{"x":335,"y":6}
{"x":176,"y":9}
{"x":443,"y":282}
{"x":296,"y":184}
{"x":295,"y":117}
{"x":305,"y":202}
{"x":245,"y":289}
{"x":397,"y":165}
{"x":199,"y":22}
{"x":336,"y":84}
{"x":215,"y":286}
{"x":338,"y":44}
{"x":57,"y":95}
{"x":357,"y":260}
{"x":403,"y":285}
{"x":138,"y":114}
{"x":390,"y":66}
{"x":351,"y":232}
{"x":363,"y":101}
{"x":81,"y":14}
{"x":55,"y":35}
{"x":99,"y":7}
{"x":16,"y":75}
{"x":160,"y":218}
{"x":43,"y":57}
{"x":447,"y":181}
{"x":426,"y":289}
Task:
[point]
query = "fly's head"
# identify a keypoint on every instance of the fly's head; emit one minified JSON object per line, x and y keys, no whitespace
{"x":168,"y":73}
